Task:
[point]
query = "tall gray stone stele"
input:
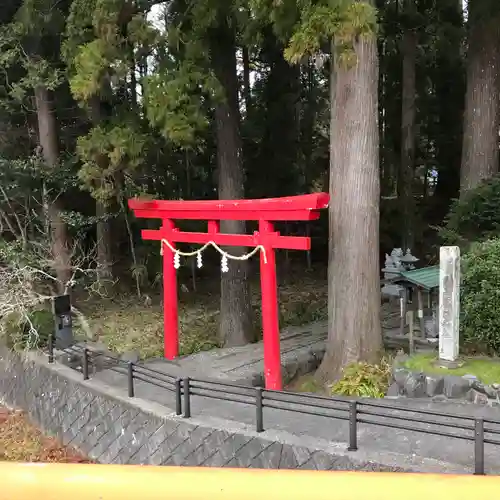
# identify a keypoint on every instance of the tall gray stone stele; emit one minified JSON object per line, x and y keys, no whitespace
{"x":449,"y":303}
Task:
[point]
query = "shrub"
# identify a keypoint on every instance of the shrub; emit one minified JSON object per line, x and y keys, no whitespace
{"x":27,"y":331}
{"x":364,"y":380}
{"x":480,"y":297}
{"x":475,"y":217}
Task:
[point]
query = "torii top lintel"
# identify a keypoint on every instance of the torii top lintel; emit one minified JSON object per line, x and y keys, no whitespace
{"x":291,"y":208}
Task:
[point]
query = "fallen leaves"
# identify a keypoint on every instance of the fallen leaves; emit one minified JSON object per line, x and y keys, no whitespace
{"x":20,"y":441}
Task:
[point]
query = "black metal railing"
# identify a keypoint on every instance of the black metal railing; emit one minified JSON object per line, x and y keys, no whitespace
{"x":480,"y":431}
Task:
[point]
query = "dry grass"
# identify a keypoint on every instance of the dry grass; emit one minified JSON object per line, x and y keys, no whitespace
{"x":22,"y":442}
{"x":125,"y":324}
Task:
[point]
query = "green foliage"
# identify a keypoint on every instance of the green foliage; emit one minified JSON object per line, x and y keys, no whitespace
{"x":30,"y":331}
{"x":175,"y":104}
{"x":480,"y":297}
{"x":91,"y":64}
{"x":474,"y":217}
{"x":341,"y":20}
{"x":364,"y":380}
{"x":105,"y":152}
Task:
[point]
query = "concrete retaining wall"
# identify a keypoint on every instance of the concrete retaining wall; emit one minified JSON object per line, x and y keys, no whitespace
{"x":107,"y":426}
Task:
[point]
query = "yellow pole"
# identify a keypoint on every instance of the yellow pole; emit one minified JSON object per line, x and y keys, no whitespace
{"x":124,"y":482}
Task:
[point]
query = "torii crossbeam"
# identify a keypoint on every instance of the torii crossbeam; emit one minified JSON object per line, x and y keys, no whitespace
{"x":266,"y":211}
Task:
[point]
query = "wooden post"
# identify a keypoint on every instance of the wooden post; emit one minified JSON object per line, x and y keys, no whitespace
{"x":411,"y":340}
{"x":170,"y":307}
{"x":270,"y":320}
{"x":449,"y":303}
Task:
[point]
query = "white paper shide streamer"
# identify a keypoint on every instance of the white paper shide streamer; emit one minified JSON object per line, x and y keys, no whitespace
{"x":225,"y":257}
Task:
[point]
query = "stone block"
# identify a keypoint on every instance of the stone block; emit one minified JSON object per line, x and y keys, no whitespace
{"x":288,"y":460}
{"x":455,"y":387}
{"x":345,"y":463}
{"x":415,"y":385}
{"x":228,"y":450}
{"x":393,"y":391}
{"x":322,"y":460}
{"x":490,"y":392}
{"x":210,"y":445}
{"x":401,"y":375}
{"x":434,"y":385}
{"x":477,"y":397}
{"x":269,"y":458}
{"x":249,"y":451}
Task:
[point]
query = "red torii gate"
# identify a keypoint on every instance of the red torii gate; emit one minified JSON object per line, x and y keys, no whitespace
{"x":266,"y":211}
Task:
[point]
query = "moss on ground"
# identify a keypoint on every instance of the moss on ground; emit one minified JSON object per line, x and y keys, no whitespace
{"x":486,"y":370}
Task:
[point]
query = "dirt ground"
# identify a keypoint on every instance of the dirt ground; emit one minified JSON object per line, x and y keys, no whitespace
{"x":128,"y":324}
{"x":20,"y":441}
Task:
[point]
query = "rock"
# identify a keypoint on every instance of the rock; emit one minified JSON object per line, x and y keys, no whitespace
{"x":476,"y":397}
{"x":490,"y":392}
{"x":484,"y":389}
{"x":400,"y":376}
{"x":393,"y":391}
{"x":456,"y":387}
{"x":495,"y":386}
{"x":130,"y":356}
{"x":478,"y":386}
{"x":415,"y":385}
{"x":434,"y":385}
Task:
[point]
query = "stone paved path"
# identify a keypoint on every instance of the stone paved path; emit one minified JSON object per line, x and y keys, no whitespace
{"x":302,"y":349}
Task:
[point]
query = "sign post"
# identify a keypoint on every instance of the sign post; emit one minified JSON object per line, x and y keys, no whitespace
{"x":449,"y":304}
{"x":61,"y":308}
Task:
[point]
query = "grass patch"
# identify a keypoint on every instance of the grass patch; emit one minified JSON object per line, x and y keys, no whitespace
{"x":486,"y":370}
{"x":127,"y":326}
{"x":22,"y":442}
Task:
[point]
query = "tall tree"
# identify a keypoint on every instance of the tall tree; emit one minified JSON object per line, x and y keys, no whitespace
{"x":31,"y":41}
{"x":354,"y":330}
{"x":236,"y":326}
{"x":480,"y":152}
{"x":448,"y":73}
{"x":408,"y":115}
{"x":198,"y":77}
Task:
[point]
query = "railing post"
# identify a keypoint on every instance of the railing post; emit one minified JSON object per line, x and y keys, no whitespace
{"x":479,"y":447}
{"x":187,"y":399}
{"x":130,"y":377}
{"x":353,"y":426}
{"x":85,"y":367}
{"x":259,"y":413}
{"x":178,"y":396}
{"x":51,"y":348}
